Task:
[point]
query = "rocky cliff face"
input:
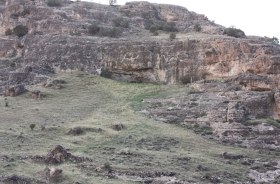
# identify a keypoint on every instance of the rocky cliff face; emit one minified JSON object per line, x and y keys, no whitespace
{"x":58,"y":41}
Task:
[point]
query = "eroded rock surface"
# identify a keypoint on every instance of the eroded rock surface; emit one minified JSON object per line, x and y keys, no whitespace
{"x":60,"y":42}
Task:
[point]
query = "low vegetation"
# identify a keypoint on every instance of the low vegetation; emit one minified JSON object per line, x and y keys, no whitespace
{"x":172,"y":36}
{"x":234,"y":32}
{"x":164,"y":26}
{"x":273,"y":39}
{"x":120,"y":22}
{"x":19,"y":30}
{"x":197,"y":27}
{"x":95,"y":102}
{"x":250,"y":122}
{"x":94,"y":29}
{"x":54,"y":3}
{"x":109,"y":32}
{"x":185,"y":79}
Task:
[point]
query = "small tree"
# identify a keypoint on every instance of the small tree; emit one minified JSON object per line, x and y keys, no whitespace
{"x":112,"y":2}
{"x":20,"y":30}
{"x":275,"y":40}
{"x":32,"y":126}
{"x":172,"y":36}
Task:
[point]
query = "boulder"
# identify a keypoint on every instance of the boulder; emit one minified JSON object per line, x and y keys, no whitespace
{"x":57,"y":155}
{"x":76,"y":131}
{"x":16,"y":90}
{"x":117,"y":127}
{"x":55,"y":174}
{"x":36,"y":94}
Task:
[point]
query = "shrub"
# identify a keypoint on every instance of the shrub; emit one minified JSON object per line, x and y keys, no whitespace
{"x":25,"y":12}
{"x":32,"y":126}
{"x":117,"y":21}
{"x":20,"y":30}
{"x":111,"y":32}
{"x":93,"y":29}
{"x":156,"y":33}
{"x":54,"y":3}
{"x":125,"y":24}
{"x":120,"y":22}
{"x":185,"y":79}
{"x":14,"y":16}
{"x":107,"y":166}
{"x":169,"y":27}
{"x":197,"y":27}
{"x":232,"y":31}
{"x":160,"y":25}
{"x":8,"y":32}
{"x":152,"y":28}
{"x":12,"y":65}
{"x":271,"y":96}
{"x":172,"y":36}
{"x":275,"y":40}
{"x":112,"y":2}
{"x":106,"y":74}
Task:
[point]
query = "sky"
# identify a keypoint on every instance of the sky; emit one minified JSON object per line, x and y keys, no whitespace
{"x":254,"y":17}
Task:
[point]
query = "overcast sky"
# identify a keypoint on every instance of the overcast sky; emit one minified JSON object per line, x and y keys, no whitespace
{"x":254,"y":17}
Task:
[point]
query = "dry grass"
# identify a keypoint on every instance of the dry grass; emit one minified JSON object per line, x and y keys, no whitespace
{"x":82,"y":103}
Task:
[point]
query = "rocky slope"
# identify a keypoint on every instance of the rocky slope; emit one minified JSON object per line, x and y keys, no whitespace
{"x":235,"y":93}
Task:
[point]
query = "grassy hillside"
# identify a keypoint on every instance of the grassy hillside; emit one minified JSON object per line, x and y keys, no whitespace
{"x":94,"y":102}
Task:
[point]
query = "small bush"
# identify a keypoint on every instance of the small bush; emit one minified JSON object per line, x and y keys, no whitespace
{"x":271,"y":96}
{"x":20,"y":30}
{"x":197,"y":27}
{"x":12,"y":65}
{"x":93,"y":29}
{"x":14,"y":16}
{"x":170,"y":27}
{"x":25,"y":12}
{"x":234,"y":32}
{"x":185,"y":79}
{"x":106,"y":74}
{"x":153,"y":28}
{"x":160,"y":25}
{"x":54,"y":3}
{"x":107,"y":166}
{"x":8,"y":32}
{"x":117,"y":21}
{"x":273,"y":39}
{"x":172,"y":36}
{"x":156,"y":33}
{"x":111,"y":32}
{"x":120,"y":22}
{"x":125,"y":24}
{"x":32,"y":126}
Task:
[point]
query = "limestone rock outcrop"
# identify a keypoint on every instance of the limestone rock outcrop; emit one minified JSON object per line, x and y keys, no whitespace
{"x":60,"y":42}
